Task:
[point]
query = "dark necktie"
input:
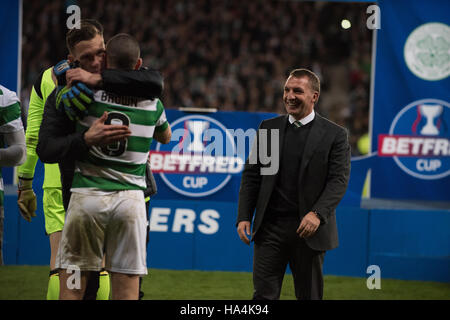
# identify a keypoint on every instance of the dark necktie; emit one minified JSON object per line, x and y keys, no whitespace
{"x":297,"y":123}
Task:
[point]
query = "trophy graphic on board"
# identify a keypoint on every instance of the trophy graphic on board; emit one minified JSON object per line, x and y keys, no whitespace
{"x":430,"y":112}
{"x":196,"y":128}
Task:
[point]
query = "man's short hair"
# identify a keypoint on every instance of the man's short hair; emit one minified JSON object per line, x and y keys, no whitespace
{"x":89,"y":29}
{"x":122,"y":51}
{"x":313,"y":79}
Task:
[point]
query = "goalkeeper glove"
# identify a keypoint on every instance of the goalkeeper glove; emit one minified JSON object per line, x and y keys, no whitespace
{"x":26,"y":199}
{"x":60,"y":73}
{"x":75,"y":100}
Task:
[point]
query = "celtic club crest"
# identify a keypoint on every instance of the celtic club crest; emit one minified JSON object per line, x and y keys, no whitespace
{"x":427,"y":51}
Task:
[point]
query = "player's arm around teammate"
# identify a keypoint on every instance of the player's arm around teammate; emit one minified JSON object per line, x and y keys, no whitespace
{"x":143,"y":83}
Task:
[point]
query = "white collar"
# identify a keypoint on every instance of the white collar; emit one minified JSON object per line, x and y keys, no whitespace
{"x":305,"y":120}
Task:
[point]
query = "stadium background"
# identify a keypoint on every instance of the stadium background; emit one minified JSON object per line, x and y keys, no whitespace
{"x":234,"y":56}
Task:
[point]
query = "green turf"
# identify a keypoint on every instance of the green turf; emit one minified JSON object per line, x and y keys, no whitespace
{"x":30,"y":282}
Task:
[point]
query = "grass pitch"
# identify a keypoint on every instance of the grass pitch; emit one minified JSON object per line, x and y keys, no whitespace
{"x":30,"y":283}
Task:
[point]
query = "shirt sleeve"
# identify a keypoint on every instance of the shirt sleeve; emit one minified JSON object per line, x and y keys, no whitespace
{"x":10,"y":115}
{"x":15,"y":153}
{"x":11,"y":129}
{"x":58,"y":140}
{"x":34,"y":119}
{"x":161,"y":123}
{"x":143,"y":83}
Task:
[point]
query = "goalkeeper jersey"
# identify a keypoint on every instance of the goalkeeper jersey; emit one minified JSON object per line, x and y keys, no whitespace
{"x":10,"y":120}
{"x":39,"y":94}
{"x":119,"y":166}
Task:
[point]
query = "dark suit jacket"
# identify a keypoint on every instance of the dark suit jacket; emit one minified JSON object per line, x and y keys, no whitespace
{"x":322,"y":180}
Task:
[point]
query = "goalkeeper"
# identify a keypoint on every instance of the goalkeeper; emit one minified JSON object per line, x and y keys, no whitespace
{"x":141,"y":83}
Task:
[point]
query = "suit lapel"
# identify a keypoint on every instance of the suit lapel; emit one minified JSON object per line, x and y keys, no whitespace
{"x":281,"y":125}
{"x":282,"y":128}
{"x":314,"y":137}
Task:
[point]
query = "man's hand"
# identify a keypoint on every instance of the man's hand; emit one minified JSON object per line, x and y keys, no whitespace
{"x":93,"y":80}
{"x":309,"y":225}
{"x":26,"y":199}
{"x":75,"y":100}
{"x":101,"y":134}
{"x":243,"y":231}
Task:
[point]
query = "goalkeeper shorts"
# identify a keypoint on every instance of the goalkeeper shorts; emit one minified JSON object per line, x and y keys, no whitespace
{"x":53,"y":210}
{"x":114,"y":224}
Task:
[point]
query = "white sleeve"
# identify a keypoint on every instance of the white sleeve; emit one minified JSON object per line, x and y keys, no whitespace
{"x":16,"y":152}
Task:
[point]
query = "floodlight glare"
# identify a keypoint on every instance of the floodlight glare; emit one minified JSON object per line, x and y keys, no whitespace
{"x":346,"y":24}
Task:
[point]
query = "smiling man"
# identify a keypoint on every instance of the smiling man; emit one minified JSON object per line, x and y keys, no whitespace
{"x":295,"y":217}
{"x":300,"y":96}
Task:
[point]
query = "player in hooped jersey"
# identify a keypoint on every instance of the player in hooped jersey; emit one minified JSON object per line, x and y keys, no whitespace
{"x":12,"y":142}
{"x":54,"y":141}
{"x":106,"y":214}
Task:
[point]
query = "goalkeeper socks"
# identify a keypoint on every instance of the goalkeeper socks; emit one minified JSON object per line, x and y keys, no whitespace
{"x":141,"y":293}
{"x":91,"y":286}
{"x":53,"y":285}
{"x":98,"y":280}
{"x":104,"y":286}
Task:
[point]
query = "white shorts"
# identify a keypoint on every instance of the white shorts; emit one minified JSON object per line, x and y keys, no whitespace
{"x":114,"y":224}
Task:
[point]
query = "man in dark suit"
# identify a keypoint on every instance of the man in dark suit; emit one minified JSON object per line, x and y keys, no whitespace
{"x":295,"y":217}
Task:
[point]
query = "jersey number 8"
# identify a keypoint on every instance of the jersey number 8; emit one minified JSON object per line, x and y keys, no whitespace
{"x":118,"y":148}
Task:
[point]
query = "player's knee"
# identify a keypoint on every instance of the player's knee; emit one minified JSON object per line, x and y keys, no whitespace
{"x":124,"y":286}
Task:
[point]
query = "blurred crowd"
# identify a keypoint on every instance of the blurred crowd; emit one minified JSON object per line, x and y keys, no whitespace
{"x":226,"y":54}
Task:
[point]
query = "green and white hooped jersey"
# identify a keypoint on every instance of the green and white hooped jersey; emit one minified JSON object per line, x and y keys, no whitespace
{"x":10,"y":120}
{"x":120,"y":166}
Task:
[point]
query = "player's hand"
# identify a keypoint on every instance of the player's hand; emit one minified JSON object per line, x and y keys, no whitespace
{"x":243,"y":230}
{"x":80,"y":75}
{"x":26,"y":199}
{"x":75,"y":100}
{"x":101,"y":134}
{"x":309,"y":225}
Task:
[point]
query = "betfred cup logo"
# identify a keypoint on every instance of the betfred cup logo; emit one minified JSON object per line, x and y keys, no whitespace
{"x":200,"y":159}
{"x":419,"y":139}
{"x":203,"y":155}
